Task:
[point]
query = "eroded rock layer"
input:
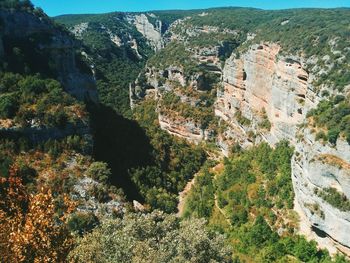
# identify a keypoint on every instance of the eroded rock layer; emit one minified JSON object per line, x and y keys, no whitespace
{"x":259,"y":85}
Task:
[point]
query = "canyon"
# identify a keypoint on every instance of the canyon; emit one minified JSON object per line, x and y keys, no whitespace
{"x":273,"y":93}
{"x":223,"y":114}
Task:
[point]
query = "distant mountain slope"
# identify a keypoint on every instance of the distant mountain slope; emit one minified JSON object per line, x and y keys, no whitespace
{"x":123,"y":42}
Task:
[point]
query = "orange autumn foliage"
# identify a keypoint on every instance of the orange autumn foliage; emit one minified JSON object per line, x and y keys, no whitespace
{"x":29,"y":230}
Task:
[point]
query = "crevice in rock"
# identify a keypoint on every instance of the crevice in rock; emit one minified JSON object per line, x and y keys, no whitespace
{"x":244,"y":75}
{"x":303,"y":78}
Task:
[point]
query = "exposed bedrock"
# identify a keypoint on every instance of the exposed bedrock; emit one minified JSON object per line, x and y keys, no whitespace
{"x":261,"y":84}
{"x":184,"y":128}
{"x":152,"y":32}
{"x":316,"y":168}
{"x":265,"y":96}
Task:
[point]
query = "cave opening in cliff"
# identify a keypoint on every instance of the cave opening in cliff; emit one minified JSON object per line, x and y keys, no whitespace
{"x":303,"y":78}
{"x":244,"y":75}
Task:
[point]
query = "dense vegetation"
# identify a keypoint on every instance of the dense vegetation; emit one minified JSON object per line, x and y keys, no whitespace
{"x":175,"y":54}
{"x":24,"y":5}
{"x":32,"y":101}
{"x":154,"y":237}
{"x":309,"y":32}
{"x":333,"y":116}
{"x":50,"y":155}
{"x":30,"y":231}
{"x":175,"y":163}
{"x":252,"y":180}
{"x":201,"y":114}
{"x":116,"y":66}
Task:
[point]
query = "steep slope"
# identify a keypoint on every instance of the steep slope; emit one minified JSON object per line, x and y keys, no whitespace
{"x":49,"y":51}
{"x":221,"y":78}
{"x":117,"y":45}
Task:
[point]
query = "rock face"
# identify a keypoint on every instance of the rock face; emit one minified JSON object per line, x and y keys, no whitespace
{"x":262,"y":96}
{"x":184,"y":128}
{"x":260,"y":84}
{"x":173,"y":123}
{"x":53,"y":44}
{"x":265,"y":96}
{"x":153,"y":33}
{"x":317,"y":167}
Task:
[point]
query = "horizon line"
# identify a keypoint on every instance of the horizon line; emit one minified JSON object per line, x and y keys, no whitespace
{"x":203,"y":9}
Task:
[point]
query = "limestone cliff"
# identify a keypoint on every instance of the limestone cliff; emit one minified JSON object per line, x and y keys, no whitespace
{"x":317,"y":167}
{"x":261,"y":84}
{"x":265,"y":96}
{"x":56,"y":50}
{"x":183,"y":117}
{"x":184,"y":128}
{"x":48,"y":50}
{"x":152,"y":32}
{"x":263,"y":87}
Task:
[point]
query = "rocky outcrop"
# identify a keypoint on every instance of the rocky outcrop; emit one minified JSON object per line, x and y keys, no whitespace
{"x":56,"y":48}
{"x":83,"y":194}
{"x":262,"y":85}
{"x":153,"y":33}
{"x":39,"y":134}
{"x":317,"y":167}
{"x":79,"y":29}
{"x":152,"y":81}
{"x":184,"y":128}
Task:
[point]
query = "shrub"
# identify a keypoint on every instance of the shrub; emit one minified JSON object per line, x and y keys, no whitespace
{"x":154,"y":237}
{"x":99,"y":171}
{"x":321,"y":136}
{"x":81,"y":223}
{"x":336,"y":199}
{"x":8,"y":106}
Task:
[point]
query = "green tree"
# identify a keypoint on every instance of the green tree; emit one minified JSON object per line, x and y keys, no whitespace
{"x":8,"y":105}
{"x":99,"y":171}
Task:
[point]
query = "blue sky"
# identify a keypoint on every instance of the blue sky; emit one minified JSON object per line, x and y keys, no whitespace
{"x":58,"y":7}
